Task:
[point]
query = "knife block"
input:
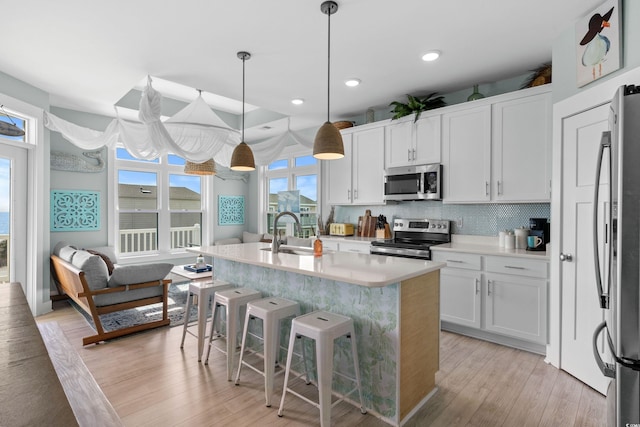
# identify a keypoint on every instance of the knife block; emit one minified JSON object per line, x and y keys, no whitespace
{"x":383,"y":233}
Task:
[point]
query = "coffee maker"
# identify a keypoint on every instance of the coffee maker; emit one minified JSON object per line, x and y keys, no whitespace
{"x":541,"y":228}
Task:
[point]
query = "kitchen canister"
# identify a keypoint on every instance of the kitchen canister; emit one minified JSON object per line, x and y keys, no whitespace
{"x":501,"y":236}
{"x":521,"y":237}
{"x":510,"y":241}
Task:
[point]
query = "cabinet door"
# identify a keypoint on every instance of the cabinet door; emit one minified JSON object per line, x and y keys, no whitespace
{"x":522,"y":149}
{"x":368,"y":166}
{"x":516,"y":306}
{"x":466,"y":145}
{"x":399,"y":150}
{"x":339,"y":188}
{"x":426,"y":135}
{"x":460,"y":296}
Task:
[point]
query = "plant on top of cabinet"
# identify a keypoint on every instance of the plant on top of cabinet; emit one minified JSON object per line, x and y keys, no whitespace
{"x":416,"y":105}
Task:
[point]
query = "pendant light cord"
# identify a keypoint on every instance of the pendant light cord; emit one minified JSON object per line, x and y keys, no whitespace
{"x":328,"y":60}
{"x":243,"y":60}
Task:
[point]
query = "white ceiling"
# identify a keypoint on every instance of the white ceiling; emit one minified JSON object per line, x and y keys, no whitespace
{"x":89,"y":54}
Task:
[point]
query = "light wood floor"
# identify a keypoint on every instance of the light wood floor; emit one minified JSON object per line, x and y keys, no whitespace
{"x":150,"y":381}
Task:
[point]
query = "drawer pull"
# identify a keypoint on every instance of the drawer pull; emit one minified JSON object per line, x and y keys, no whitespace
{"x":488,"y":287}
{"x":514,"y":268}
{"x":455,"y":260}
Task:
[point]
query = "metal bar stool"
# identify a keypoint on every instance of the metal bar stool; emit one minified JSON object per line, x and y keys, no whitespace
{"x":323,"y":327}
{"x":271,"y":311}
{"x":234,"y":300}
{"x":200,"y":294}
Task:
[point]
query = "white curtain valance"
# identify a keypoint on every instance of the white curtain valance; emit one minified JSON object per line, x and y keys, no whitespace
{"x":195,"y":133}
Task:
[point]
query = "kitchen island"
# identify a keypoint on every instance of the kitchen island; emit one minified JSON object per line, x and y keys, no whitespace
{"x":394,"y":303}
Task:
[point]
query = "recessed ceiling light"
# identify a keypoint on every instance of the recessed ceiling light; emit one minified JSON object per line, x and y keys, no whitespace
{"x":352,"y":82}
{"x":431,"y":55}
{"x":297,"y":101}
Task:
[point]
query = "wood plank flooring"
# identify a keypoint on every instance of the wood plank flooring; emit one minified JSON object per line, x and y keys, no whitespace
{"x":150,"y":381}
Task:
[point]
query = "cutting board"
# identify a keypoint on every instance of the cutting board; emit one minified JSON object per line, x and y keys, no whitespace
{"x":368,"y":225}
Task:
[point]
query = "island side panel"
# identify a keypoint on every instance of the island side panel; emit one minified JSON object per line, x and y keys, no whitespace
{"x":419,"y":339}
{"x":373,"y":310}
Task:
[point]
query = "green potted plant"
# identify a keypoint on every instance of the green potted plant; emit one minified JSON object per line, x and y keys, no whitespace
{"x":416,"y":105}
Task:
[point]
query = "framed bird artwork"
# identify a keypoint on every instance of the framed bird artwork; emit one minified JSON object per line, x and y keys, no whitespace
{"x":598,"y":43}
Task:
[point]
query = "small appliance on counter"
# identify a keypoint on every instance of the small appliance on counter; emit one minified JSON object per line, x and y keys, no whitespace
{"x":539,"y":227}
{"x":341,"y":229}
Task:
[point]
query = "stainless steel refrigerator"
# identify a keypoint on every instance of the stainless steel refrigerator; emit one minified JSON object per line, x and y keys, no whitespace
{"x":618,"y":282}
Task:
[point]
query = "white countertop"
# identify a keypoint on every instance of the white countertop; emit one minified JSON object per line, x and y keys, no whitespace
{"x":360,"y":269}
{"x":486,"y":246}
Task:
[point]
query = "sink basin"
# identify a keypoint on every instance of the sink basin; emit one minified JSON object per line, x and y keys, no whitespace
{"x":294,"y":250}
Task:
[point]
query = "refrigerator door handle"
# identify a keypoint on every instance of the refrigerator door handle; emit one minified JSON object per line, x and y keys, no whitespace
{"x":605,"y":142}
{"x":607,"y":369}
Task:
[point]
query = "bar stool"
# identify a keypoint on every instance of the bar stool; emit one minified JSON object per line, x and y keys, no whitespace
{"x":200,"y":293}
{"x":234,"y":300}
{"x":323,"y":327}
{"x":271,"y":311}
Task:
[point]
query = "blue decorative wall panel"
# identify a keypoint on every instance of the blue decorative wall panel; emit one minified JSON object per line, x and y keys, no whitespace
{"x":230,"y":210}
{"x":75,"y":210}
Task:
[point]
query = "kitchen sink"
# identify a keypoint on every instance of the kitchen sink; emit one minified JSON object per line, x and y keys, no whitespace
{"x":294,"y":250}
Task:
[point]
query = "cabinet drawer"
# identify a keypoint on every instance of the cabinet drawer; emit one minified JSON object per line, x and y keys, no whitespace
{"x":458,"y":260}
{"x":362,"y":248}
{"x":517,"y":266}
{"x":330,"y":245}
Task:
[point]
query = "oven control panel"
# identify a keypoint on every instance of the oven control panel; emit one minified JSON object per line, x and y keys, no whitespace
{"x":422,"y":225}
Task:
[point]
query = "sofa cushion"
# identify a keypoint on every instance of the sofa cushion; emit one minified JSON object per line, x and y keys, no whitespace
{"x":67,"y":253}
{"x":95,"y":270}
{"x":229,"y":241}
{"x":61,"y":244}
{"x":105,"y":258}
{"x":251,"y":237}
{"x":139,"y":273}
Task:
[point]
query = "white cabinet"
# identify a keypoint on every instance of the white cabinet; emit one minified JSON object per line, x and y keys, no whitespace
{"x":494,"y":296}
{"x":466,"y":145}
{"x":358,"y":178}
{"x":498,"y":149}
{"x":516,"y":303}
{"x":413,"y":143}
{"x":521,"y":163}
{"x":339,"y":244}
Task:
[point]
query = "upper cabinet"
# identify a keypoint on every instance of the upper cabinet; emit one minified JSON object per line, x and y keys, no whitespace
{"x":357,"y":179}
{"x":522,"y":149}
{"x":499,"y":149}
{"x":413,"y":143}
{"x":466,"y":143}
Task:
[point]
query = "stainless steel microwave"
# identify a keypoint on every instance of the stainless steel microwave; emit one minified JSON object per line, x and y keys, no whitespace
{"x":423,"y":182}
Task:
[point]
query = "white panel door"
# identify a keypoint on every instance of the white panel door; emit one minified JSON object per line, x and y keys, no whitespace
{"x":339,"y":189}
{"x":581,"y":312}
{"x":460,"y":296}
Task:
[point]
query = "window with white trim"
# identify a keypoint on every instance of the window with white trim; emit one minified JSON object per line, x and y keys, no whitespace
{"x":294,"y":170}
{"x":159,"y":209}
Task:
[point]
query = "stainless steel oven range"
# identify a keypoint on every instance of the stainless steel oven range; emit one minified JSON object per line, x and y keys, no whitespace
{"x":412,"y":238}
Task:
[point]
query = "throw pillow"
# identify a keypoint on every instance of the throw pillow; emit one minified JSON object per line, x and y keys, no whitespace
{"x":67,"y":253}
{"x":250,"y":237}
{"x":95,"y":270}
{"x":105,"y":258}
{"x":139,"y":273}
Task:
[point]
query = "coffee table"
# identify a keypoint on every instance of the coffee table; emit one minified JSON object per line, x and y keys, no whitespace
{"x":180,"y":271}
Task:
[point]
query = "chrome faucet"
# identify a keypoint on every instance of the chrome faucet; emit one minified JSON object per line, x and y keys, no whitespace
{"x":275,"y":244}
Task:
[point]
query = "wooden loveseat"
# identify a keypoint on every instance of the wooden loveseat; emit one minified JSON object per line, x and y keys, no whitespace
{"x":98,"y":286}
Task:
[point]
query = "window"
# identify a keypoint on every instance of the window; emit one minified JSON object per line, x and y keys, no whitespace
{"x":297,"y":170}
{"x":160,"y":208}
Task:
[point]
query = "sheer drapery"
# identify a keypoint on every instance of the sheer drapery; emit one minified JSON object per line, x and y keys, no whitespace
{"x":195,"y":133}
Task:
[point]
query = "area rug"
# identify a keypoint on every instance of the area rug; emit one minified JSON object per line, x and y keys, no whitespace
{"x":135,"y":316}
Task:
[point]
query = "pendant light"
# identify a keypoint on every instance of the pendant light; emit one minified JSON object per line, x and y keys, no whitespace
{"x":242,"y":157}
{"x":205,"y":168}
{"x":328,"y":144}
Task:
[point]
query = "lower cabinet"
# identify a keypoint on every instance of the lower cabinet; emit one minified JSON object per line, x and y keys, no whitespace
{"x":477,"y":297}
{"x":341,"y":245}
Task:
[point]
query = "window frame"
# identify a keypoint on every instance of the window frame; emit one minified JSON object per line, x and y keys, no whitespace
{"x":291,"y":172}
{"x":163,"y":170}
